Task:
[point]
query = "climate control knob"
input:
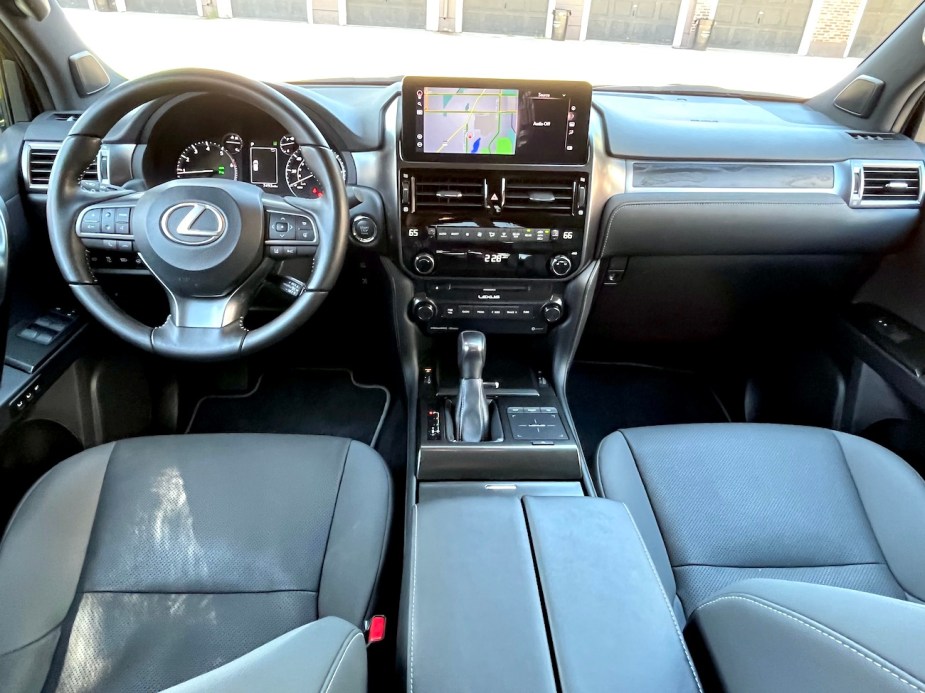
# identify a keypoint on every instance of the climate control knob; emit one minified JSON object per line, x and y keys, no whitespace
{"x":424,"y":310}
{"x":560,"y":265}
{"x":424,"y":263}
{"x":552,"y":312}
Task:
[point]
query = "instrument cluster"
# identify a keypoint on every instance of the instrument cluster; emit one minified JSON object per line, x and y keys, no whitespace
{"x":276,"y":165}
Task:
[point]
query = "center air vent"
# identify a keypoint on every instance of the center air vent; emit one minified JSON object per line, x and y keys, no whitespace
{"x":555,"y":194}
{"x":38,"y":160}
{"x":434,"y":190}
{"x":887,"y":185}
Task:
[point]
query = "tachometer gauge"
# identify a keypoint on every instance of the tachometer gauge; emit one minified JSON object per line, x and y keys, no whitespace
{"x":287,"y":144}
{"x":233,"y":142}
{"x":342,"y":165}
{"x":301,"y":179}
{"x":206,"y":160}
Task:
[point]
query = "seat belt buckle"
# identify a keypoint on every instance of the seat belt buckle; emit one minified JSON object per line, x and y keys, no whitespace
{"x":375,"y":629}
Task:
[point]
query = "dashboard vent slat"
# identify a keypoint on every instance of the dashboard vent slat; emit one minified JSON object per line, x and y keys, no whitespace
{"x":435,"y":190}
{"x":555,"y":194}
{"x":874,"y":136}
{"x":890,"y":183}
{"x":39,"y":161}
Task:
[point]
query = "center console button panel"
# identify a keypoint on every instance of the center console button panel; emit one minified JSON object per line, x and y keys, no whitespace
{"x":505,"y":308}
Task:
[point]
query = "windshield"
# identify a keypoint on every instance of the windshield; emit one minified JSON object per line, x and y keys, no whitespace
{"x":793,"y":48}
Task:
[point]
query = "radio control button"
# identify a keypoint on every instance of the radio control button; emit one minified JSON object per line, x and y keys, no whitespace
{"x":424,"y":263}
{"x":425,"y":310}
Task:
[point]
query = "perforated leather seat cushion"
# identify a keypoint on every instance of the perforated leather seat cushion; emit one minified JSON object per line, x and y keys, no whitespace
{"x":139,"y":565}
{"x":727,"y":502}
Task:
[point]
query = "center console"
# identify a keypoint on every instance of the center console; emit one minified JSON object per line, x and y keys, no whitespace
{"x":493,"y":191}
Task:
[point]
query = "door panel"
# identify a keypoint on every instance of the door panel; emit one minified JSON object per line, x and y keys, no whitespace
{"x":760,"y":25}
{"x":636,"y":21}
{"x":509,"y":17}
{"x":292,"y":10}
{"x":162,"y":6}
{"x":398,"y":13}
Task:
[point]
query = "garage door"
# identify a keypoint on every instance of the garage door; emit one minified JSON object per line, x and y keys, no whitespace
{"x":879,"y":19}
{"x":637,"y":21}
{"x":293,"y":10}
{"x":760,"y":25}
{"x":405,"y":13}
{"x":162,"y":6}
{"x":510,"y":17}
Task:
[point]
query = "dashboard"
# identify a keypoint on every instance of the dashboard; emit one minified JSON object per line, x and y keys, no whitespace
{"x":493,"y":199}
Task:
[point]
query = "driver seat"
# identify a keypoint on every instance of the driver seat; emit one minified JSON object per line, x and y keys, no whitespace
{"x":204,"y":562}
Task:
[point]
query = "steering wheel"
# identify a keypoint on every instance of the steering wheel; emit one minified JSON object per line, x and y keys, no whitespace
{"x":210,"y":243}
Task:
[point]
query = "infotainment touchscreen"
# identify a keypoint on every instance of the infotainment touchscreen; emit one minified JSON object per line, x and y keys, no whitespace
{"x":489,"y":120}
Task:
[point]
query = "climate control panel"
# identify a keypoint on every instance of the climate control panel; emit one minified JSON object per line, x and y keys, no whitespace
{"x":516,"y":225}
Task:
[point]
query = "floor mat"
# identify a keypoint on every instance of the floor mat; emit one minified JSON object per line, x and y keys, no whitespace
{"x":607,"y":397}
{"x":322,"y":402}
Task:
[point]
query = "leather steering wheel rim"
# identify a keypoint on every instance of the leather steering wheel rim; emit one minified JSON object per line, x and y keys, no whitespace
{"x":67,"y":198}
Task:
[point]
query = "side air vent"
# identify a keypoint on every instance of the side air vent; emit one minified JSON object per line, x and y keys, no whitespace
{"x":553,"y":194}
{"x":874,"y":136}
{"x":886,"y":184}
{"x":431,"y":191}
{"x":38,"y":159}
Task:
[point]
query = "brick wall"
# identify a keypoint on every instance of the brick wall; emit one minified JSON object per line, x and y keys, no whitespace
{"x":833,"y":27}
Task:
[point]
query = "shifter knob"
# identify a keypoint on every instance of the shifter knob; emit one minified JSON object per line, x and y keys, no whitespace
{"x":471,"y":405}
{"x":471,"y":354}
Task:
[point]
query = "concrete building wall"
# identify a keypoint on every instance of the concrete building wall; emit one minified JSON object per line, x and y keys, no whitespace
{"x":324,"y":11}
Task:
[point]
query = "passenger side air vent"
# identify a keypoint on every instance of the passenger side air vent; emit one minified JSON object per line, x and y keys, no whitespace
{"x":886,"y":184}
{"x":38,"y":159}
{"x":433,"y":190}
{"x":874,"y":136}
{"x":552,"y":194}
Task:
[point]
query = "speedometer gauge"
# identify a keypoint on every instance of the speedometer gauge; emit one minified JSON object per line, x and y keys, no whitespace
{"x":206,"y":160}
{"x":301,"y":179}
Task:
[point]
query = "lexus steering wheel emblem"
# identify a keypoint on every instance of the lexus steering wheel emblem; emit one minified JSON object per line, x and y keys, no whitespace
{"x":193,"y":223}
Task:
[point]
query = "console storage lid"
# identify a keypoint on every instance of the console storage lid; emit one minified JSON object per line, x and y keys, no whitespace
{"x":538,"y":594}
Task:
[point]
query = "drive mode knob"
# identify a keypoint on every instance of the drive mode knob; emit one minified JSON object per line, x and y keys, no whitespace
{"x":560,"y":265}
{"x":424,"y":263}
{"x":425,"y":310}
{"x":552,"y":312}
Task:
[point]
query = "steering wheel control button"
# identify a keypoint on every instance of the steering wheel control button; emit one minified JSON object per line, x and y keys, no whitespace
{"x":123,"y":215}
{"x":364,"y":230}
{"x":280,"y":228}
{"x":290,"y":235}
{"x":108,"y":220}
{"x":90,"y":222}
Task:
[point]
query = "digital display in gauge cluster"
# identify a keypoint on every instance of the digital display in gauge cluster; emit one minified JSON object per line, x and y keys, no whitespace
{"x":274,"y":165}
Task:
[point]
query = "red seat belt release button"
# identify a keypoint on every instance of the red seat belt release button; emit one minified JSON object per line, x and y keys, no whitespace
{"x":375,"y":629}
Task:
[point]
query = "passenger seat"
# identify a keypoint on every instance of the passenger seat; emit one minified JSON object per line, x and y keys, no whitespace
{"x":799,"y":553}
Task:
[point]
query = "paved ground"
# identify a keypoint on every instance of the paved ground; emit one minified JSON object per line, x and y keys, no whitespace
{"x":136,"y":44}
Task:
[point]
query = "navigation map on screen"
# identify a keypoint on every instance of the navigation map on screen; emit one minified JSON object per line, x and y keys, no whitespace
{"x":470,"y":121}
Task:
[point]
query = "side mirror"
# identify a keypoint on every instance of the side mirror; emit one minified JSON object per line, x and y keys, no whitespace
{"x":33,"y":9}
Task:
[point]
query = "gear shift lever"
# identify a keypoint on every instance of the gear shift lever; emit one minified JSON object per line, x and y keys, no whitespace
{"x":471,"y":405}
